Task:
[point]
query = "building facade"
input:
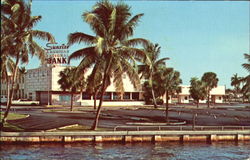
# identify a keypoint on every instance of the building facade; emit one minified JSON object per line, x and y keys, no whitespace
{"x":216,"y":95}
{"x":41,"y":84}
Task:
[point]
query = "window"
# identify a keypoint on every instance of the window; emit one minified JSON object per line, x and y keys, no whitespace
{"x":30,"y":96}
{"x":43,"y":74}
{"x":85,"y":95}
{"x":219,"y":98}
{"x":107,"y":96}
{"x":116,"y":96}
{"x":135,"y":96}
{"x":186,"y":97}
{"x":64,"y":97}
{"x":126,"y":95}
{"x":22,"y":93}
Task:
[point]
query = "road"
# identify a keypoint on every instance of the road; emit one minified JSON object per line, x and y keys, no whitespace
{"x":115,"y":116}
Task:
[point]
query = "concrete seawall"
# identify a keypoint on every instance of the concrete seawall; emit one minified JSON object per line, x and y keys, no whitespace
{"x":125,"y":136}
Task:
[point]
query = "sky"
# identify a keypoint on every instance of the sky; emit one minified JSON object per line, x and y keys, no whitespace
{"x":197,"y":36}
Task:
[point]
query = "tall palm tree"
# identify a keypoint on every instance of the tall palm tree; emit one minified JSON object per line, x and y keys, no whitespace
{"x":110,"y":46}
{"x":17,"y":24}
{"x":210,"y":79}
{"x":70,"y":80}
{"x":151,"y":64}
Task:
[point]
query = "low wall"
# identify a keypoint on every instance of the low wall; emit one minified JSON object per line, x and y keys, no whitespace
{"x":112,"y":103}
{"x":126,"y":136}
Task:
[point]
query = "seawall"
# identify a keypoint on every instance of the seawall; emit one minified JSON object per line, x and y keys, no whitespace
{"x":125,"y":136}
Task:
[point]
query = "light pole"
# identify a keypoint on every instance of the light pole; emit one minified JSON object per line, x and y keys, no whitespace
{"x":48,"y":83}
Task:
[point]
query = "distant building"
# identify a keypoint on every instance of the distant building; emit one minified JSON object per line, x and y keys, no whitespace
{"x":216,"y":95}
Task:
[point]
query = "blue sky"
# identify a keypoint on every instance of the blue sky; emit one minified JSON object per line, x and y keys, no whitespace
{"x":197,"y":36}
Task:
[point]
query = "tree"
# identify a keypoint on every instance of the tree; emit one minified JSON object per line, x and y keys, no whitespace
{"x":18,"y":42}
{"x":110,"y":48}
{"x":197,"y":90}
{"x":236,"y":81}
{"x":7,"y":67}
{"x":151,"y":64}
{"x":246,"y":80}
{"x":70,"y":80}
{"x":247,"y":65}
{"x":169,"y":83}
{"x":210,"y":81}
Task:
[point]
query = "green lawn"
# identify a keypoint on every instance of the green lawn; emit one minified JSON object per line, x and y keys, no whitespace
{"x":12,"y":116}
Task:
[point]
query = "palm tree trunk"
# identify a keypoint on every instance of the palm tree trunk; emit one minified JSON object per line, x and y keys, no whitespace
{"x":71,"y":101}
{"x":100,"y":104}
{"x":153,"y":95}
{"x":11,"y":91}
{"x":197,"y":103}
{"x":167,"y":118}
{"x":152,"y":90}
{"x":208,"y":98}
{"x":8,"y":90}
{"x":95,"y":95}
{"x":102,"y":94}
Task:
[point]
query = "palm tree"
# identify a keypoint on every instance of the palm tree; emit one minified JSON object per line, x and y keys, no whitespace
{"x":151,"y":64}
{"x":246,"y":80}
{"x":70,"y":80}
{"x":18,"y":42}
{"x":247,"y":65}
{"x":110,"y":47}
{"x":168,"y":82}
{"x":210,"y":79}
{"x":94,"y":82}
{"x":236,"y":81}
{"x":172,"y":85}
{"x":197,"y":90}
{"x":7,"y":67}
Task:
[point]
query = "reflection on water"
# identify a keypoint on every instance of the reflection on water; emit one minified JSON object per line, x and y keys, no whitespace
{"x":148,"y":151}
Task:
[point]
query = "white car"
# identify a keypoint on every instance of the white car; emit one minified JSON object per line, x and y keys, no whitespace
{"x":3,"y":99}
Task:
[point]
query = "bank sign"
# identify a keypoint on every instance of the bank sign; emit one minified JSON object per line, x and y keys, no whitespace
{"x":57,"y":54}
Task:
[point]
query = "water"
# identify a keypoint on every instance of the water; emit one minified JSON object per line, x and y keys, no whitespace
{"x":134,"y":151}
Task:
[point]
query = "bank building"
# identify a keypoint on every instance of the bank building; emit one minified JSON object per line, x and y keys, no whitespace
{"x":41,"y":84}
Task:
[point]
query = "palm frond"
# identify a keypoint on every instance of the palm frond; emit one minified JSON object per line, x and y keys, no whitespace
{"x":112,"y":21}
{"x":43,"y":35}
{"x":246,"y":66}
{"x":37,"y":50}
{"x":136,"y":41}
{"x":33,"y":21}
{"x":95,"y":23}
{"x":128,"y":29}
{"x":79,"y":37}
{"x":89,"y":51}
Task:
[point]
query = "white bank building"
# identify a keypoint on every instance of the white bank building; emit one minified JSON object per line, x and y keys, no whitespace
{"x":40,"y":84}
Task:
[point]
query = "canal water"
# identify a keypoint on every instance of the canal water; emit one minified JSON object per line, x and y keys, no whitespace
{"x":133,"y":151}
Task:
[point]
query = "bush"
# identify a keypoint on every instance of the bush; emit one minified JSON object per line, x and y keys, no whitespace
{"x":149,"y":101}
{"x":159,"y":101}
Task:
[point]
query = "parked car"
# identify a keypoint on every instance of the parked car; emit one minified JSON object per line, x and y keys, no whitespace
{"x":3,"y":99}
{"x":25,"y":102}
